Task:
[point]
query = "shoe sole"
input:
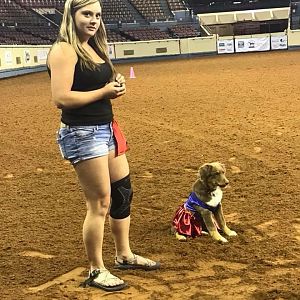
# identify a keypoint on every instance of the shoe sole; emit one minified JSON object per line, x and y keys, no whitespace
{"x":137,"y":267}
{"x":108,"y":288}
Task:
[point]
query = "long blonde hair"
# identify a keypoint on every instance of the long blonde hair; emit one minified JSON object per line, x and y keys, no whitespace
{"x":68,"y":34}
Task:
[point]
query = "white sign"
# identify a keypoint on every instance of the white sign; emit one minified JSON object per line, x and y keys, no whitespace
{"x":8,"y":57}
{"x":279,"y":42}
{"x":42,"y":54}
{"x":26,"y":56}
{"x":225,"y":46}
{"x":111,"y":51}
{"x":252,"y":44}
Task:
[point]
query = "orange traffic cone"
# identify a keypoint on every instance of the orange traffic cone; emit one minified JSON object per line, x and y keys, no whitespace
{"x":131,"y":73}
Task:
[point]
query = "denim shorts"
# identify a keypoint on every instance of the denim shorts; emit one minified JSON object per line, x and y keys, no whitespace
{"x":78,"y":143}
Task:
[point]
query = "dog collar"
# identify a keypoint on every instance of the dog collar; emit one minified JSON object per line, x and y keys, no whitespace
{"x":199,"y":202}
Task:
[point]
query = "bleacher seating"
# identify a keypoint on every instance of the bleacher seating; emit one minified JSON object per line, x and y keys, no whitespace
{"x":184,"y":31}
{"x":13,"y":37}
{"x":24,"y":26}
{"x":37,"y":21}
{"x":36,"y":3}
{"x":114,"y":36}
{"x":151,"y":10}
{"x":146,"y":34}
{"x":116,"y":11}
{"x":176,"y":5}
{"x":47,"y":33}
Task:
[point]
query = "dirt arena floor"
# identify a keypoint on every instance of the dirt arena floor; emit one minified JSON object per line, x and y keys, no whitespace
{"x":242,"y":110}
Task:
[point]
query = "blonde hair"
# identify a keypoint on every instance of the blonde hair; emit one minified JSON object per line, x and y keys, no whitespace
{"x":68,"y":34}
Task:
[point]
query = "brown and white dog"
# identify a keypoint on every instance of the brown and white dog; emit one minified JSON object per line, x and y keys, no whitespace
{"x":202,"y":212}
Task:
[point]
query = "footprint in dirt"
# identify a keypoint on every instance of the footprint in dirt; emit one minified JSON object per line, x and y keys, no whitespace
{"x":74,"y":275}
{"x":267,"y":225}
{"x":147,"y":174}
{"x":36,"y":254}
{"x":213,"y":269}
{"x":260,"y":231}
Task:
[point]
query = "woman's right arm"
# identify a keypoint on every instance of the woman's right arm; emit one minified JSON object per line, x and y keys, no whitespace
{"x":62,"y":61}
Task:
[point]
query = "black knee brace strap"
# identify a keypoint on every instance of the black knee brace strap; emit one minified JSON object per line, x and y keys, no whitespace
{"x":121,"y":196}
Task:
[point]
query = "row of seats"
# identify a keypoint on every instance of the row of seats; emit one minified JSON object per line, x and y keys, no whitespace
{"x":150,"y":33}
{"x":176,"y":5}
{"x":20,"y":24}
{"x":46,"y":35}
{"x":116,"y":10}
{"x":10,"y":36}
{"x":184,"y":31}
{"x":152,"y":10}
{"x":42,"y":36}
{"x":58,"y":4}
{"x":146,"y":34}
{"x":115,"y":36}
{"x":23,"y":26}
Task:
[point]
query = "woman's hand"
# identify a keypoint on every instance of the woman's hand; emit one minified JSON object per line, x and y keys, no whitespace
{"x":114,"y":90}
{"x":120,"y":79}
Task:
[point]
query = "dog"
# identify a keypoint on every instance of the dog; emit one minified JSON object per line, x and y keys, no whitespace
{"x":202,"y":213}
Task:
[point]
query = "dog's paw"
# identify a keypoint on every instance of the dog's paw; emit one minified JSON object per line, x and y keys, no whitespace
{"x":180,"y":237}
{"x":231,"y":233}
{"x":218,"y":237}
{"x":222,"y":240}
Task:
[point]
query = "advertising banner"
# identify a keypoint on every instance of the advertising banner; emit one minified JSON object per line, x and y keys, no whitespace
{"x":26,"y":56}
{"x":42,"y":55}
{"x":252,"y":44}
{"x":111,"y":51}
{"x":279,"y":42}
{"x":225,"y":46}
{"x":8,"y":57}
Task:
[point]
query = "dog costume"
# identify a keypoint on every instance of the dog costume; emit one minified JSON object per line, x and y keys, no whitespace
{"x":187,"y":221}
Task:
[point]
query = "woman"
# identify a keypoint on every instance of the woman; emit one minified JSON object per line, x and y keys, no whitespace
{"x":83,"y":81}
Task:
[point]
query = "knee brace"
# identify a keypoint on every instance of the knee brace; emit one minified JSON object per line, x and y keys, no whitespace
{"x":121,"y":196}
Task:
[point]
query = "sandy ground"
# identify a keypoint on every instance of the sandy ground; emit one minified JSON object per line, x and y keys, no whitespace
{"x":242,"y":110}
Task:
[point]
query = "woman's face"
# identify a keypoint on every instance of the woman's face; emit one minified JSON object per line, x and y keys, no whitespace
{"x":87,"y":20}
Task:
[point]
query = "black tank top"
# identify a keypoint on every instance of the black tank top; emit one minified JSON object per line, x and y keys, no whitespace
{"x":95,"y":113}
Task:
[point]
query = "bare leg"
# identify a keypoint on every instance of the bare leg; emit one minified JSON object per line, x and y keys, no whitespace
{"x":94,"y":178}
{"x":118,"y":168}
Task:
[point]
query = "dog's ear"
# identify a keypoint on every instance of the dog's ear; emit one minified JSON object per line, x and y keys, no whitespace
{"x":222,"y":166}
{"x":205,"y":171}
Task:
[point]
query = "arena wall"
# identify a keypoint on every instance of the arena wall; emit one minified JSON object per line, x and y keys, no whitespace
{"x":17,"y":60}
{"x":146,"y":49}
{"x":294,"y":39}
{"x":205,"y":45}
